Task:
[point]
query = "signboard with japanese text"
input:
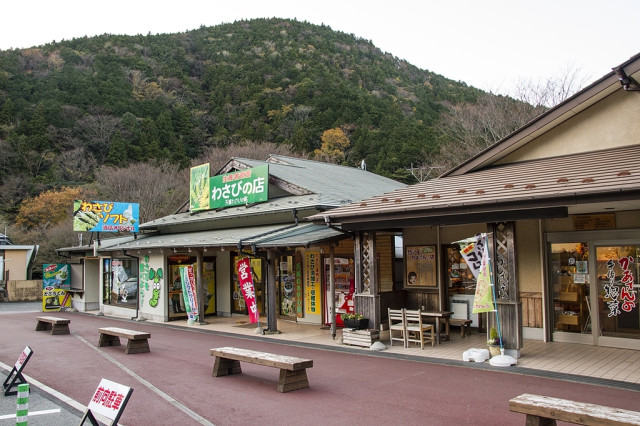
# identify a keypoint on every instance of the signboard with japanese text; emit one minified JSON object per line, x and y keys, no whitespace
{"x":110,"y":399}
{"x":421,"y":266}
{"x":245,"y":279}
{"x":56,"y":280}
{"x":105,"y":216}
{"x":312,"y":282}
{"x":23,"y":358}
{"x":56,"y":275}
{"x":299,"y":292}
{"x":240,"y":188}
{"x":199,"y":192}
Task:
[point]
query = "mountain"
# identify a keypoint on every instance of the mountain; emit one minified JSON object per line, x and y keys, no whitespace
{"x":69,"y":107}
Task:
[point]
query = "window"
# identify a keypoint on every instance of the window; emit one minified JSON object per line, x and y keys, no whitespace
{"x":120,"y":282}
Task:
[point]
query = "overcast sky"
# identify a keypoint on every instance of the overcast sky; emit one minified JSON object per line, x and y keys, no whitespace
{"x":491,"y":44}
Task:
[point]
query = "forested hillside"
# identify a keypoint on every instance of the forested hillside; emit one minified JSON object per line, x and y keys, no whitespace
{"x":71,"y":106}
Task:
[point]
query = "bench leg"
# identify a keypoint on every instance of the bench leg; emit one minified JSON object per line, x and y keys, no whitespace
{"x":539,"y":421}
{"x":107,"y":340}
{"x":41,"y":326}
{"x":225,"y":366}
{"x":292,"y":380}
{"x":60,"y":329}
{"x":137,"y":346}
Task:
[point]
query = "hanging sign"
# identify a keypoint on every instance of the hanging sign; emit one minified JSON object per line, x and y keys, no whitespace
{"x":245,"y":278}
{"x":109,"y":400}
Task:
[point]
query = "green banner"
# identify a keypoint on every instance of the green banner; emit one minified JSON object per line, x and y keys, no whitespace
{"x":241,"y":187}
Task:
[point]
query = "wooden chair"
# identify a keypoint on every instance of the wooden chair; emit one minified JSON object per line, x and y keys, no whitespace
{"x":397,"y":324}
{"x":416,"y":329}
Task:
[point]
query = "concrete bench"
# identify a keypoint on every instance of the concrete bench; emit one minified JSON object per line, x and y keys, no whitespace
{"x":137,"y":340}
{"x":293,"y":371}
{"x":55,"y":324}
{"x":545,"y":410}
{"x":464,"y":324}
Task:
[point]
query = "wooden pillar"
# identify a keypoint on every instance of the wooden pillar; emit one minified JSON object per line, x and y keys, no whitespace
{"x":367,"y":299}
{"x":503,"y":250}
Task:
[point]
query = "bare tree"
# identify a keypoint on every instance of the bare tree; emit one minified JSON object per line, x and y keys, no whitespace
{"x":160,"y":189}
{"x":98,"y":130}
{"x":467,"y":129}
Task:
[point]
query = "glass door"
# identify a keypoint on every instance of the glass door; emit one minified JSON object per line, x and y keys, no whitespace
{"x":570,"y":288}
{"x":618,"y":268}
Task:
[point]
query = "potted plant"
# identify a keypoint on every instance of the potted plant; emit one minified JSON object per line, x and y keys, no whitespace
{"x":356,"y":321}
{"x":494,"y":342}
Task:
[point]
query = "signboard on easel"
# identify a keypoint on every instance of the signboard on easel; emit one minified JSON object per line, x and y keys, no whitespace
{"x":15,"y":377}
{"x":109,"y":400}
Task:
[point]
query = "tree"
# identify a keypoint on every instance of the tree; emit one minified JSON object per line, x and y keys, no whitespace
{"x":159,"y":188}
{"x":48,"y":208}
{"x":334,"y":144}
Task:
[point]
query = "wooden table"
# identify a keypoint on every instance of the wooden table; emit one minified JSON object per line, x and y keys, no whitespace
{"x":439,"y":315}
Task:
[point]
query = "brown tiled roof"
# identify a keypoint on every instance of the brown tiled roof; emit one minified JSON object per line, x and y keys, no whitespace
{"x":551,"y":182}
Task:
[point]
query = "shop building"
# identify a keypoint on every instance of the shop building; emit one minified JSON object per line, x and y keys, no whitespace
{"x":139,"y":275}
{"x":560,"y":201}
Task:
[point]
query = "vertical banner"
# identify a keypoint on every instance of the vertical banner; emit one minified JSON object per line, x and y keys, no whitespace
{"x":312,"y":282}
{"x":245,"y":279}
{"x":299,"y":292}
{"x":189,"y":292}
{"x":483,"y":299}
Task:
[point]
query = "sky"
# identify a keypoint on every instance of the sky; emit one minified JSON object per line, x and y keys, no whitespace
{"x":493,"y":45}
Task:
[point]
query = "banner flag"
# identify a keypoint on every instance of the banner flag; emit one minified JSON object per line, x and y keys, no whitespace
{"x":472,"y":254}
{"x":189,"y":292}
{"x":245,"y":279}
{"x":483,"y":299}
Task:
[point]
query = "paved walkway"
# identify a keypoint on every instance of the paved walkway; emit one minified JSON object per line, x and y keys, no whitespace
{"x":589,"y":364}
{"x":173,"y":384}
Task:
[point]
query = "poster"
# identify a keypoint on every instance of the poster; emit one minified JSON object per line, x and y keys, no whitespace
{"x":56,"y":280}
{"x":421,"y":266}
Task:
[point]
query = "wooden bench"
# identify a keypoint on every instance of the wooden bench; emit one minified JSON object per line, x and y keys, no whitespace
{"x":55,"y":324}
{"x":293,"y":371}
{"x":137,"y":340}
{"x":545,"y":410}
{"x":464,"y":324}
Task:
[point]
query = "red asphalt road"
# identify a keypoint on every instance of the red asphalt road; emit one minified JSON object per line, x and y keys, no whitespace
{"x":345,"y":388}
